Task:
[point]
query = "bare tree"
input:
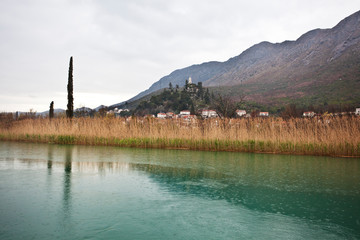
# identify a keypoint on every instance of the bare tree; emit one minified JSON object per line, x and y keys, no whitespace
{"x":291,"y":111}
{"x":225,"y":106}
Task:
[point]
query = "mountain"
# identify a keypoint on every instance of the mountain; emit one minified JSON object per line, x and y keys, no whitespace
{"x":323,"y":64}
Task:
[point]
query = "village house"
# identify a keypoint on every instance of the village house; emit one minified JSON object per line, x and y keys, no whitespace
{"x":170,"y":115}
{"x":188,"y":117}
{"x":184,"y":113}
{"x":240,"y":113}
{"x":357,"y":111}
{"x":309,"y":114}
{"x":209,"y":113}
{"x":161,"y":115}
{"x":264,"y":114}
{"x":117,"y":111}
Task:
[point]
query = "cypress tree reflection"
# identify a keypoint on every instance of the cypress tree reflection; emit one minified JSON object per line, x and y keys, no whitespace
{"x":50,"y":158}
{"x":67,"y":179}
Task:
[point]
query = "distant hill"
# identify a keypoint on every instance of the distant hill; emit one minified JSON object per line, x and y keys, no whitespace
{"x":322,"y":65}
{"x":46,"y":113}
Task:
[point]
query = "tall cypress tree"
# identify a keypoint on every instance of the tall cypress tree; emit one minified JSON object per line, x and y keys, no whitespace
{"x":70,"y":105}
{"x":51,"y":111}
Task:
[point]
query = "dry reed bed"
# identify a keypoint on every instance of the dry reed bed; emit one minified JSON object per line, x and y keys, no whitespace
{"x":330,"y":136}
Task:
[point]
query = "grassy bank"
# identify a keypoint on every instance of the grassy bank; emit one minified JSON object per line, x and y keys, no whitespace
{"x":330,"y":137}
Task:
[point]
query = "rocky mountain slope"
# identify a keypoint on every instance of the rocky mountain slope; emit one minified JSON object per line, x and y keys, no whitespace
{"x":321,"y":59}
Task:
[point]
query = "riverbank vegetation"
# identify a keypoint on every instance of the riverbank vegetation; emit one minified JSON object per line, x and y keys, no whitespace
{"x":336,"y":136}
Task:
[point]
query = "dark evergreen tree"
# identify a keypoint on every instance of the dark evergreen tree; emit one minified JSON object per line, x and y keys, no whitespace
{"x":200,"y":92}
{"x":207,"y":97}
{"x":51,"y":110}
{"x":192,"y":109}
{"x":186,"y":84}
{"x":70,"y":105}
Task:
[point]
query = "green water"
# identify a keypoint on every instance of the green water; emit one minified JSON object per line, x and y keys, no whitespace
{"x":81,"y":192}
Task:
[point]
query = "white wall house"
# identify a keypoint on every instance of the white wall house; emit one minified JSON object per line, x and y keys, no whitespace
{"x":161,"y":115}
{"x":240,"y":113}
{"x":118,"y":111}
{"x":170,"y":115}
{"x":184,"y":112}
{"x":357,"y":111}
{"x":308,"y":114}
{"x":208,"y":113}
{"x":264,"y":114}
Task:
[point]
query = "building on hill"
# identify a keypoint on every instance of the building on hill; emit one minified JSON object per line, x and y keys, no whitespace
{"x":264,"y":114}
{"x":357,"y":111}
{"x":191,"y":87}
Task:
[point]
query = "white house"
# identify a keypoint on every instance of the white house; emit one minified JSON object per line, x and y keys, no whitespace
{"x":208,"y":113}
{"x":308,"y":114}
{"x":170,"y":115}
{"x":240,"y":113}
{"x":184,"y":112}
{"x":161,"y":115}
{"x":357,"y":111}
{"x":117,"y":111}
{"x":264,"y":114}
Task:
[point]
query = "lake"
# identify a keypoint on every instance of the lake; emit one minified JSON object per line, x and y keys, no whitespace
{"x":86,"y":192}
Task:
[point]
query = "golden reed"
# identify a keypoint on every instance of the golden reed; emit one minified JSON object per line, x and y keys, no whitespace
{"x":338,"y":136}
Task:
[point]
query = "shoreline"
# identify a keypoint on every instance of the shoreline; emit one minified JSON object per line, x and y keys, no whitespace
{"x":212,"y":145}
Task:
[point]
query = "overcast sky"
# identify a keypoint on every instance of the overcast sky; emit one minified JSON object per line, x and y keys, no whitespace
{"x":121,"y":47}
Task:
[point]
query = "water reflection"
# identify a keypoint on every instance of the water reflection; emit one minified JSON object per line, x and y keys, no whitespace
{"x":318,"y":189}
{"x":314,"y":205}
{"x":50,"y":158}
{"x":68,"y":160}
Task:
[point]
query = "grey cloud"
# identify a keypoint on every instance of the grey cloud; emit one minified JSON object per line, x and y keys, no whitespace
{"x":122,"y":47}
